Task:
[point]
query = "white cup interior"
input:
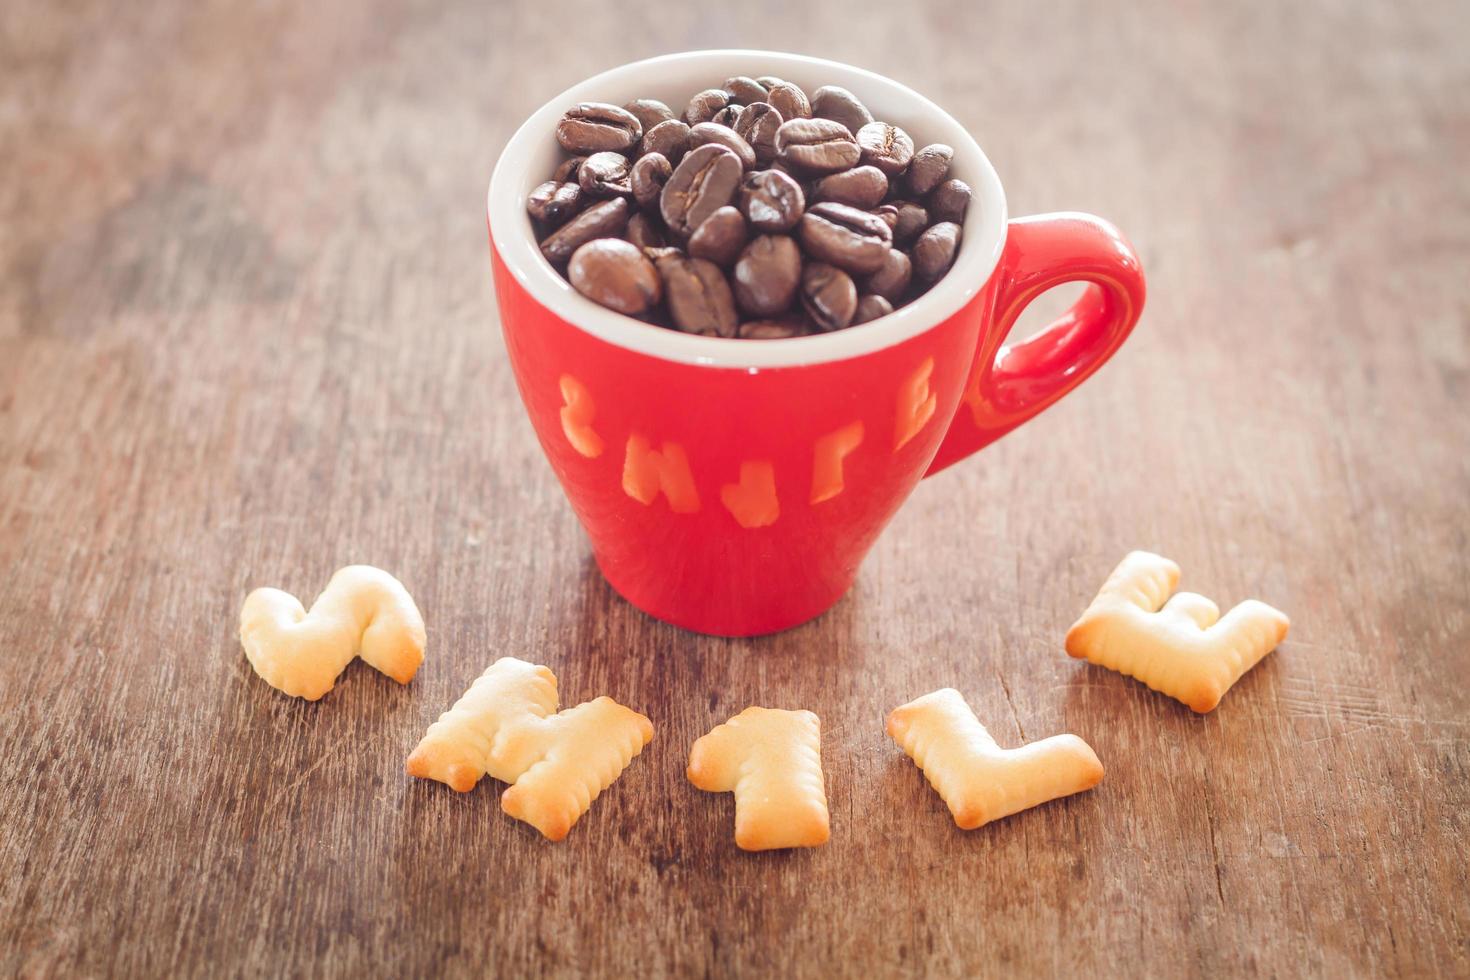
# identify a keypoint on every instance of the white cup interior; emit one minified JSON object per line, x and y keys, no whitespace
{"x":533,"y":153}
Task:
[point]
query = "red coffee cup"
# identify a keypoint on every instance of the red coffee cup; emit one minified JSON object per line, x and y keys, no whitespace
{"x":734,"y":486}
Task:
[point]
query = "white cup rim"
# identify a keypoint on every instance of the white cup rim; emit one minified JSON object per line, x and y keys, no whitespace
{"x":518,"y":171}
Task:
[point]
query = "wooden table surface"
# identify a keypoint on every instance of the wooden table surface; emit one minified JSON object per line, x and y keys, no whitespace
{"x":247,"y":335}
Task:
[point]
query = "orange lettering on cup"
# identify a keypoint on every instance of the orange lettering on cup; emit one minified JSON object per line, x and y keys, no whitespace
{"x":753,"y":501}
{"x":827,"y":458}
{"x":916,"y":404}
{"x":647,"y":473}
{"x":576,"y":417}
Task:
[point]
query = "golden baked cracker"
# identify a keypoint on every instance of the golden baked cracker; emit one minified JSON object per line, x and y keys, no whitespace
{"x":363,"y":612}
{"x":1181,"y":647}
{"x":772,"y":761}
{"x":504,"y":727}
{"x":459,"y":748}
{"x":574,"y":755}
{"x":979,"y":780}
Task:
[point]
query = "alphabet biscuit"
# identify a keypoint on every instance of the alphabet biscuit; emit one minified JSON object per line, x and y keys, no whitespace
{"x":979,"y":780}
{"x":462,"y":745}
{"x":772,"y":761}
{"x":363,"y":612}
{"x":1181,"y":647}
{"x":505,"y":726}
{"x":575,"y":755}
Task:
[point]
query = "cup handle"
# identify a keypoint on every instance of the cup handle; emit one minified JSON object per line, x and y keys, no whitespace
{"x":1010,"y":384}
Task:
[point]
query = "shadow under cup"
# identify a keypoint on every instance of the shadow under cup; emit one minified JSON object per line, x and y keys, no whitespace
{"x":733,"y":487}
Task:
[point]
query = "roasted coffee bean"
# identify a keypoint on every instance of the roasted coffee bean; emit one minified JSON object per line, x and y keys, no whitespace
{"x":605,"y":220}
{"x":726,"y":117}
{"x":928,"y":168}
{"x":553,"y":204}
{"x":845,"y":237}
{"x":816,"y":146}
{"x":767,"y":275}
{"x":699,"y":299}
{"x":855,"y":218}
{"x":828,"y":296}
{"x":712,"y":239}
{"x":615,"y":274}
{"x":744,"y":91}
{"x":886,"y":147}
{"x":861,"y":187}
{"x":780,"y":328}
{"x":950,"y":201}
{"x":720,"y":237}
{"x":788,"y":99}
{"x":757,"y":125}
{"x":891,"y":280}
{"x":669,"y":138}
{"x":709,"y":132}
{"x":906,"y":218}
{"x":837,"y":103}
{"x":870,"y":307}
{"x":649,"y":175}
{"x":591,"y":127}
{"x":605,"y":175}
{"x":703,"y":182}
{"x":650,"y":112}
{"x":771,"y":201}
{"x":781,"y":166}
{"x":702,"y":107}
{"x":566,"y":171}
{"x":934,"y":252}
{"x":643,"y":231}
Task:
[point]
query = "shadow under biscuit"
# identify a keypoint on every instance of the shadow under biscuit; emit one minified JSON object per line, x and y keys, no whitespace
{"x":1095,"y":692}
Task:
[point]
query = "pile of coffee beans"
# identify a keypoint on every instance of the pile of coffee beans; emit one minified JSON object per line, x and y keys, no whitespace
{"x":760,"y":213}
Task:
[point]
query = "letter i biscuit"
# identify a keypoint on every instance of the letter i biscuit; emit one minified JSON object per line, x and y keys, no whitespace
{"x":772,"y":761}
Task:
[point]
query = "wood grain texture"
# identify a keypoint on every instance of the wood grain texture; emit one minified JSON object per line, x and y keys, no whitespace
{"x":247,"y":335}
